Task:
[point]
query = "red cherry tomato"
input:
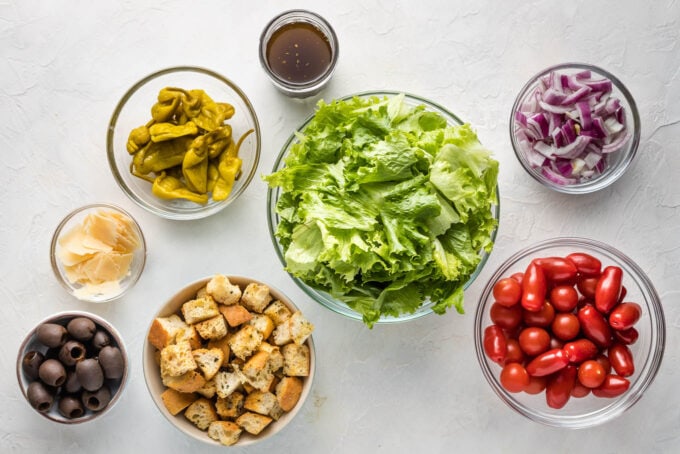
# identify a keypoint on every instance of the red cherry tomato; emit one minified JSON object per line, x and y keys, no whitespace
{"x":534,"y":288}
{"x":594,"y":326}
{"x":565,"y":326}
{"x":579,"y":390}
{"x":507,"y":291}
{"x":624,"y":316}
{"x":587,"y":286}
{"x":559,"y":387}
{"x":534,"y":340}
{"x":506,"y":317}
{"x":564,"y":298}
{"x":591,"y":374}
{"x":580,"y":350}
{"x":586,"y":264}
{"x":542,"y":317}
{"x":557,"y":269}
{"x":513,"y":352}
{"x":548,"y":363}
{"x":626,"y":336}
{"x":536,"y":385}
{"x":608,"y":289}
{"x":519,"y":277}
{"x":621,"y":359}
{"x":612,"y":386}
{"x":604,"y":360}
{"x":514,"y":377}
{"x":495,"y":344}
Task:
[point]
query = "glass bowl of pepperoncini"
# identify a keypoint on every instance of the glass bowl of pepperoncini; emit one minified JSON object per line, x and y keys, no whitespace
{"x":299,"y":50}
{"x":184,"y":142}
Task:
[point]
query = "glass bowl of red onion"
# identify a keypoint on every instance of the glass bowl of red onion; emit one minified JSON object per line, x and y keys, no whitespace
{"x":575,"y":128}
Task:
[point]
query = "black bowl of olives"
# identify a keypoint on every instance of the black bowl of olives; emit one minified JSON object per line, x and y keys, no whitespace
{"x":72,"y":367}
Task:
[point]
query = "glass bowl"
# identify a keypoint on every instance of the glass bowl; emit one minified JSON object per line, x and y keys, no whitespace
{"x":556,"y":173}
{"x":127,"y":250}
{"x":133,"y":110}
{"x":647,"y":351}
{"x":154,"y":381}
{"x":31,"y":344}
{"x":323,"y":297}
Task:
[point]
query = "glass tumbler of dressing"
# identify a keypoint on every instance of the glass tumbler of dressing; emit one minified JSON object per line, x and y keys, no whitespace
{"x":299,"y":50}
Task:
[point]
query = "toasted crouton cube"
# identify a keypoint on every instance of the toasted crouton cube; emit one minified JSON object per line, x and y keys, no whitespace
{"x":276,"y":412}
{"x":257,"y":371}
{"x":209,"y":361}
{"x":227,"y":382}
{"x":164,"y":329}
{"x":230,"y":406}
{"x":201,"y":413}
{"x":295,"y":360}
{"x":296,"y":329}
{"x":208,"y":390}
{"x":275,"y":356}
{"x":203,"y":293}
{"x":176,"y":401}
{"x":226,"y":432}
{"x":263,"y":324}
{"x":278,"y":312}
{"x":260,"y":402}
{"x":282,"y":335}
{"x":222,"y":290}
{"x":235,"y":314}
{"x":176,"y":359}
{"x":199,"y":309}
{"x":222,"y":344}
{"x":253,"y":423}
{"x":190,"y":382}
{"x":256,"y":297}
{"x":288,"y":392}
{"x":189,"y":334}
{"x":212,"y":328}
{"x":245,"y":341}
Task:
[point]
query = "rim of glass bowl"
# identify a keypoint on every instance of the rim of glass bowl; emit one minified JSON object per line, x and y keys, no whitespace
{"x":133,"y":277}
{"x":200,"y":211}
{"x":647,"y":371}
{"x":30,"y":338}
{"x":613,"y":173}
{"x":324,"y":298}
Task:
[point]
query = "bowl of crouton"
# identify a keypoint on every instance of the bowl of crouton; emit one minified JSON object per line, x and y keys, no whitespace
{"x":229,"y":360}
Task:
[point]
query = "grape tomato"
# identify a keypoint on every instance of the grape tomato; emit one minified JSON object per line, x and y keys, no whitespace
{"x":507,"y":292}
{"x":564,"y":298}
{"x":514,"y":377}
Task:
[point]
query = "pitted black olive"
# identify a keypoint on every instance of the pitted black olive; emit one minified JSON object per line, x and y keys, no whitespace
{"x":39,"y":396}
{"x":111,"y":360}
{"x":97,"y":400}
{"x":101,"y":339}
{"x":52,"y":372}
{"x":51,"y":335}
{"x":72,"y":384}
{"x":90,"y":374}
{"x":71,"y":407}
{"x":72,"y":352}
{"x":81,"y":328}
{"x":31,"y":363}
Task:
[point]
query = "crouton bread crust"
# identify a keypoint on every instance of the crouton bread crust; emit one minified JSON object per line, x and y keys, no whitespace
{"x":233,"y":359}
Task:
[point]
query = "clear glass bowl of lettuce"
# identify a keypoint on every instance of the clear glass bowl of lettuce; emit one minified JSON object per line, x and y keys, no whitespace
{"x":383,"y":207}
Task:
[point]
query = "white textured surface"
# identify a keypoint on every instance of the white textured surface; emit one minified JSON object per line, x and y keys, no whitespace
{"x":64,"y":66}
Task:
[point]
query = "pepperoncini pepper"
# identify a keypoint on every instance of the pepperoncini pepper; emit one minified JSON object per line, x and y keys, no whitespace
{"x":169,"y":100}
{"x":218,"y":140}
{"x":161,"y":132}
{"x":138,"y":138}
{"x":168,"y":187}
{"x":195,"y":165}
{"x":163,"y":155}
{"x":228,"y":167}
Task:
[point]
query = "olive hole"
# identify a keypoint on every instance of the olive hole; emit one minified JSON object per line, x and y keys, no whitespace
{"x":77,"y":352}
{"x":43,"y":406}
{"x":59,"y":381}
{"x":93,"y":402}
{"x":76,"y":413}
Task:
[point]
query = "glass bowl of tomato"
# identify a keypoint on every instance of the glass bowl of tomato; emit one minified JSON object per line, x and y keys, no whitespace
{"x":569,"y":332}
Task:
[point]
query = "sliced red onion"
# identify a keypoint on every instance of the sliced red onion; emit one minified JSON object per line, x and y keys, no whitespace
{"x":569,"y":124}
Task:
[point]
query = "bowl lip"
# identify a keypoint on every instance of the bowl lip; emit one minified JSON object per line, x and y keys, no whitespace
{"x":652,"y":361}
{"x":208,"y":209}
{"x":70,"y":314}
{"x":604,"y":180}
{"x":147,"y":349}
{"x":319,"y":296}
{"x":291,"y":16}
{"x":57,"y":234}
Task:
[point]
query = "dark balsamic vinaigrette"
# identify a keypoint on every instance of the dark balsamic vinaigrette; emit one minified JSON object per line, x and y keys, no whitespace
{"x":299,"y":53}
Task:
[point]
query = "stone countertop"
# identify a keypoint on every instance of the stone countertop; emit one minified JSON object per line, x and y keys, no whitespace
{"x":396,"y":388}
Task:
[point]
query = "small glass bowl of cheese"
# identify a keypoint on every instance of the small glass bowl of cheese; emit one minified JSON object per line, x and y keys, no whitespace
{"x":98,"y":252}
